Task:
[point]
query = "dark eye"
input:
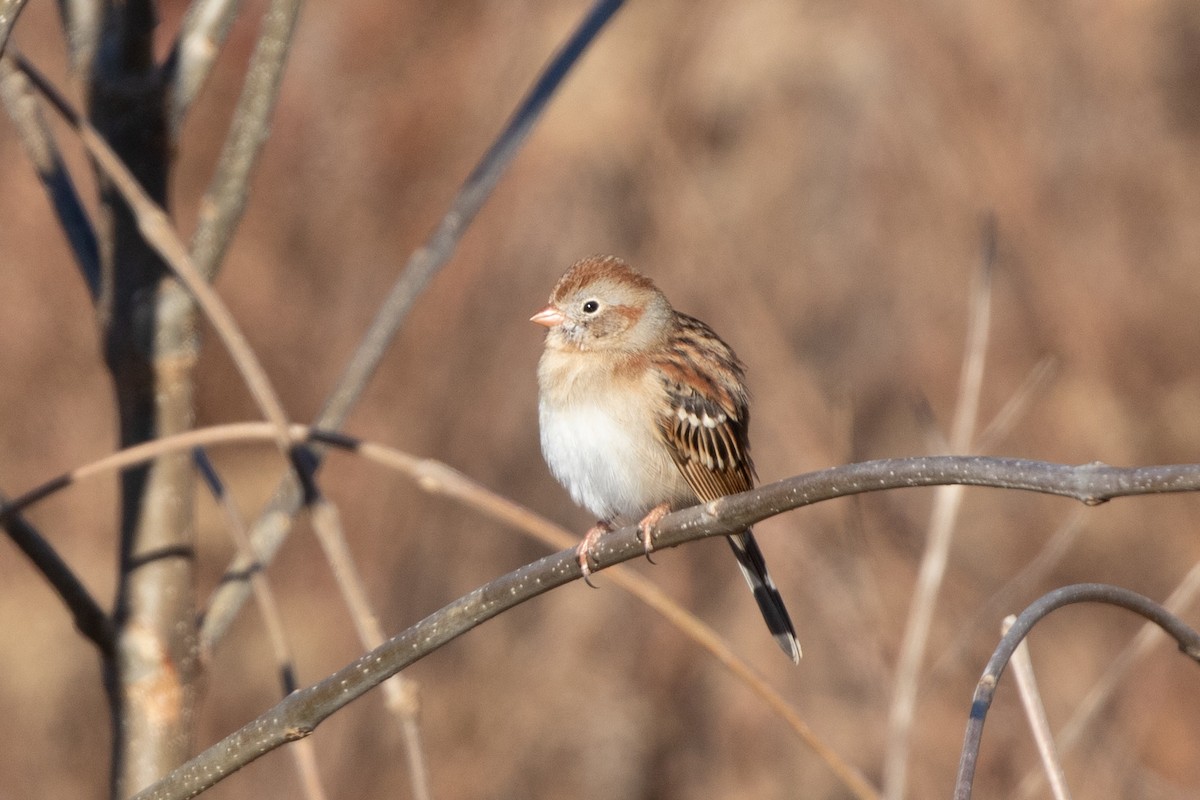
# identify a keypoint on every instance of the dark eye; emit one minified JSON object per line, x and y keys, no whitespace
{"x":591,"y":307}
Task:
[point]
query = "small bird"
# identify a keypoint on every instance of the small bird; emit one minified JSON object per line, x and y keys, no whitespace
{"x":643,"y":410}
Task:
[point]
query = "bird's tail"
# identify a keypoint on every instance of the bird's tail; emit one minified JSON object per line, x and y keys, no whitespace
{"x":770,"y":603}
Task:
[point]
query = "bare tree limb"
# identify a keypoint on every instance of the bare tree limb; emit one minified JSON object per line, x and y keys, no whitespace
{"x":90,"y":618}
{"x":275,"y":521}
{"x":985,"y":691}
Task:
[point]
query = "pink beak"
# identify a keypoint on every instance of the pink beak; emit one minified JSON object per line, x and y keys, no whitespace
{"x":548,"y":316}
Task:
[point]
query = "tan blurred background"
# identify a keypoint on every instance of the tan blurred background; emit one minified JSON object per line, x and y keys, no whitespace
{"x":810,"y":178}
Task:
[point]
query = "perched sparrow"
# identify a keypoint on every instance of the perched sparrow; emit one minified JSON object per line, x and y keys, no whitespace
{"x":644,"y":410}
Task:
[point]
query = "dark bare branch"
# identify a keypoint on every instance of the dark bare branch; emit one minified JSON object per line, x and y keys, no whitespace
{"x":1188,"y":639}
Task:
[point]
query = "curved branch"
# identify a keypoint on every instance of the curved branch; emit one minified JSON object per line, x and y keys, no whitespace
{"x":1188,"y":639}
{"x":298,"y":715}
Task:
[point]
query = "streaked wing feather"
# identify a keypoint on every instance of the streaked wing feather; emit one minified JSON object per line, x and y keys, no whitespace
{"x":706,"y":418}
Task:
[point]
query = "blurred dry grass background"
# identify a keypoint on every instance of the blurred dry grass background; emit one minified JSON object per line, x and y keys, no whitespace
{"x":810,"y":178}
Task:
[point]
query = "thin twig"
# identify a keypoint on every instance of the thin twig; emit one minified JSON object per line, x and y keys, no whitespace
{"x":1032,"y":574}
{"x":1097,"y":698}
{"x":90,"y":618}
{"x":42,"y":149}
{"x":9,"y":11}
{"x":202,"y":33}
{"x":224,"y":201}
{"x":1091,"y":484}
{"x":273,"y":524}
{"x":1035,"y":712}
{"x":985,"y":691}
{"x":303,"y":755}
{"x":942,"y":521}
{"x":1006,"y":418}
{"x":156,"y":227}
{"x":401,"y":695}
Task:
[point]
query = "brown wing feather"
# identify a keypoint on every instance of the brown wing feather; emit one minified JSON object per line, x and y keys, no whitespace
{"x":707,"y":415}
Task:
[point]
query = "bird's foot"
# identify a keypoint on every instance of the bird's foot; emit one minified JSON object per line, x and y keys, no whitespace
{"x":583,"y":551}
{"x":646,"y":527}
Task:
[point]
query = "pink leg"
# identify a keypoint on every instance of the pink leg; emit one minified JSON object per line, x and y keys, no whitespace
{"x":646,"y":526}
{"x":583,"y":549}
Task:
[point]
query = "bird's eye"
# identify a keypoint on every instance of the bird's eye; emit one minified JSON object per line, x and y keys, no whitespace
{"x":591,"y":306}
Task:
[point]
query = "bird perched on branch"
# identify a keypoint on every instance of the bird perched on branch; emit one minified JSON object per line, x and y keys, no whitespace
{"x":644,"y":410}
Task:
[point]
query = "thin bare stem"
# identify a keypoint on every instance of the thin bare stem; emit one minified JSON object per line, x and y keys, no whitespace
{"x":1007,"y":417}
{"x":941,"y":529}
{"x":1048,"y":557}
{"x":1187,"y":639}
{"x":9,"y":11}
{"x":303,"y":755}
{"x":156,"y":227}
{"x":1035,"y":712}
{"x":42,"y":150}
{"x":273,"y":524}
{"x":224,"y":201}
{"x":401,"y":696}
{"x":1092,"y":484}
{"x":90,"y":618}
{"x":203,"y":32}
{"x":1182,"y":598}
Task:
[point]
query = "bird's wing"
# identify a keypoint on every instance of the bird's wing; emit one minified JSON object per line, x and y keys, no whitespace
{"x":706,"y":415}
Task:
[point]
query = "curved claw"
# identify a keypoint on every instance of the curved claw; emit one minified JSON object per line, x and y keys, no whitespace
{"x":646,"y":527}
{"x":583,"y":550}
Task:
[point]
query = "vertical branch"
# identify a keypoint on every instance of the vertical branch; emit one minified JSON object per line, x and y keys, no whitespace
{"x":942,"y":521}
{"x":225,"y":200}
{"x":148,"y":324}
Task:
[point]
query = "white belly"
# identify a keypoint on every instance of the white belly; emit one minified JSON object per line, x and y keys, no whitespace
{"x":613,"y":466}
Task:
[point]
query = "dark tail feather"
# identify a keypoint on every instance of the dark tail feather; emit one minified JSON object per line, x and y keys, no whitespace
{"x":770,"y":603}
